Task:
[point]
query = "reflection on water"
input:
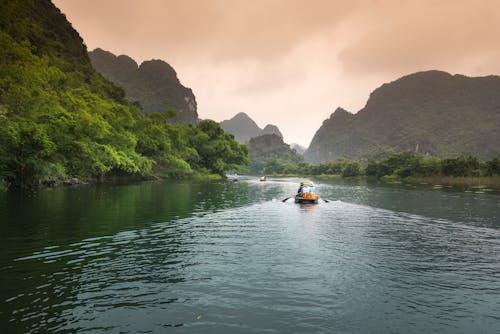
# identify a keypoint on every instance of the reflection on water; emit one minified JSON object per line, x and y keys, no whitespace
{"x":222,"y":257}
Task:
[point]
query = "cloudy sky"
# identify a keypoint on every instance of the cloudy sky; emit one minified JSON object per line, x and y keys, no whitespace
{"x":293,"y":62}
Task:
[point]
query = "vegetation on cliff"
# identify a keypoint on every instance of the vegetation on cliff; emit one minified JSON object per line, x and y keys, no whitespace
{"x":396,"y":164}
{"x":60,"y":119}
{"x":431,"y":112}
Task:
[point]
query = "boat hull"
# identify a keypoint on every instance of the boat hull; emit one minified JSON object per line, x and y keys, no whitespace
{"x":301,"y":200}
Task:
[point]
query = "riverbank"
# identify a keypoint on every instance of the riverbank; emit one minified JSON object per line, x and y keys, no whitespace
{"x":472,"y":182}
{"x":462,"y":182}
{"x":118,"y":179}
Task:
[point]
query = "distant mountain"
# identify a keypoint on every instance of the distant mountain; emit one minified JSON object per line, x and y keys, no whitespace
{"x":298,"y":148}
{"x":270,"y":146}
{"x":243,"y":128}
{"x":431,"y":112}
{"x":154,"y":84}
{"x":272,"y":129}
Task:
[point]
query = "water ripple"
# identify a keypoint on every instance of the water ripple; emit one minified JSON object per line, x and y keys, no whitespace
{"x":268,"y":267}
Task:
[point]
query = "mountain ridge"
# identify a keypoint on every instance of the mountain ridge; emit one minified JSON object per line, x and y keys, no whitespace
{"x":153,"y":83}
{"x":243,"y":128}
{"x":432,"y":112}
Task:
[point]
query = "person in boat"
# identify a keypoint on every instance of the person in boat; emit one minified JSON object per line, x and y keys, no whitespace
{"x":306,"y":187}
{"x":306,"y":193}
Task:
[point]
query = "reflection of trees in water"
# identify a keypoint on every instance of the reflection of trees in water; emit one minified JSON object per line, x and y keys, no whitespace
{"x":121,"y":252}
{"x":70,"y":260}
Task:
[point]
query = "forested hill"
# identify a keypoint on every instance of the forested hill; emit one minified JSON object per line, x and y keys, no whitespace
{"x":154,"y":84}
{"x":430,"y":112}
{"x":60,"y":119}
{"x":270,"y":155}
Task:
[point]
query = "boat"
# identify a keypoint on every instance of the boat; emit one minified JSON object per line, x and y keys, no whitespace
{"x":262,"y":178}
{"x":306,"y":194}
{"x":233,"y":177}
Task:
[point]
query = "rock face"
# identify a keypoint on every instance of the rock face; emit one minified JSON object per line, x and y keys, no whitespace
{"x":431,"y":112}
{"x":244,"y":128}
{"x":154,"y":84}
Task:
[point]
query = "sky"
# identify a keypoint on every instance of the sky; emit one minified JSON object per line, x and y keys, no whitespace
{"x":293,"y":62}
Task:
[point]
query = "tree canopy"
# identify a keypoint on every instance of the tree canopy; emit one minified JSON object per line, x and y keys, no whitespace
{"x":60,"y":119}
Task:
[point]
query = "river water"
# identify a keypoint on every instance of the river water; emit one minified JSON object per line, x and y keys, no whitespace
{"x":231,"y":257}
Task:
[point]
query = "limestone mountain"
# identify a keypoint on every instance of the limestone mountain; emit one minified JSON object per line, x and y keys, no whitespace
{"x":272,"y":129}
{"x":431,"y":112}
{"x":244,"y":128}
{"x":154,"y":84}
{"x":270,"y":146}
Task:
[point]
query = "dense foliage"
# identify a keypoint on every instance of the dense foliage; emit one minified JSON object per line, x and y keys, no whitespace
{"x":407,"y":164}
{"x":345,"y":168}
{"x":60,"y":119}
{"x":397,"y":163}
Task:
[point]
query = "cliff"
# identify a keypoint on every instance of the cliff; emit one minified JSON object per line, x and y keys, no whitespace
{"x":154,"y":84}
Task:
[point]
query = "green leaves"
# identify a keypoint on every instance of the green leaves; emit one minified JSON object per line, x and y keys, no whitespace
{"x":406,"y":164}
{"x":59,"y":119}
{"x":217,"y":150}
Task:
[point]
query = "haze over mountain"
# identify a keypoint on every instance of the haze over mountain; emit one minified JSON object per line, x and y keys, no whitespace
{"x":296,"y":58}
{"x":298,"y":148}
{"x":431,"y":112}
{"x":154,"y":84}
{"x":243,"y":128}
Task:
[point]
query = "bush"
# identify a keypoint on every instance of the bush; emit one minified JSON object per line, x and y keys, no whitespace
{"x":460,"y":166}
{"x":491,"y":167}
{"x":351,"y":168}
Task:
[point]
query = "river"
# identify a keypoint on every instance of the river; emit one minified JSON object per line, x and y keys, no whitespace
{"x":231,"y":257}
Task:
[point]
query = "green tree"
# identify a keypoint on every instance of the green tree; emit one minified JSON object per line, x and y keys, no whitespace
{"x":491,"y":167}
{"x":351,"y":168}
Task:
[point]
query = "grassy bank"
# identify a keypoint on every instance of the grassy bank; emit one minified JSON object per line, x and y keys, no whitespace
{"x":462,"y":182}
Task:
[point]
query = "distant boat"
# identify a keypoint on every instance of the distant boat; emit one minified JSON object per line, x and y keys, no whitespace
{"x":262,"y":178}
{"x":306,"y":194}
{"x":232,"y":177}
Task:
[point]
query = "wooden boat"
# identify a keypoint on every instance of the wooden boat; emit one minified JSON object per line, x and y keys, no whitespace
{"x":306,"y":194}
{"x":306,"y":200}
